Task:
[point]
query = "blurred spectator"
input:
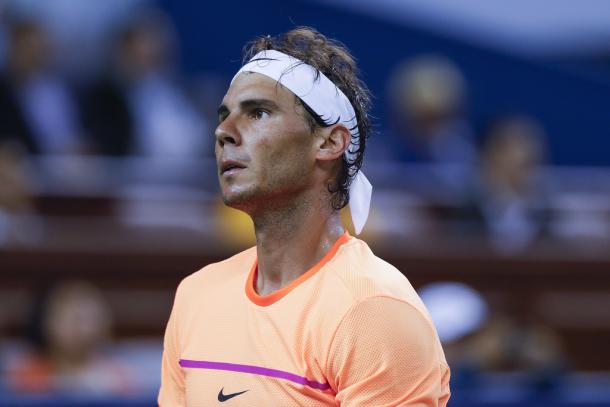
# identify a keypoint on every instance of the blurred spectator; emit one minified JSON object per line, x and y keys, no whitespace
{"x":36,"y":106}
{"x":428,"y":102}
{"x":479,"y":338}
{"x":80,"y":29}
{"x":511,"y":198}
{"x":17,"y":223}
{"x":14,"y":181}
{"x":504,"y":344}
{"x":139,"y":107}
{"x":70,"y":329}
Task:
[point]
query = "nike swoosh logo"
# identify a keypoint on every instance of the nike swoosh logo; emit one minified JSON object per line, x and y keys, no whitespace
{"x":224,"y":397}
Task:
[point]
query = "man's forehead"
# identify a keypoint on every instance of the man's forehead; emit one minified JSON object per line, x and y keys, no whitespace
{"x":252,"y":85}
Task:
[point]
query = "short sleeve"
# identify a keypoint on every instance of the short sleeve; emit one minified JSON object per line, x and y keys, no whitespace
{"x":171,"y":393}
{"x":385,"y":352}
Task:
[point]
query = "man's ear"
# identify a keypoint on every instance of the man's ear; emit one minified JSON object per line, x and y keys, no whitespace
{"x":333,"y":142}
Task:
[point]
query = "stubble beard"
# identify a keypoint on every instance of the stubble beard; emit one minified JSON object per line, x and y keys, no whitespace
{"x":279,"y":193}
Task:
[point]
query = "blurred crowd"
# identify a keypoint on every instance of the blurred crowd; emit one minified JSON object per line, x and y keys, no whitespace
{"x":482,"y":180}
{"x":485,"y":181}
{"x":491,"y":177}
{"x":136,"y":105}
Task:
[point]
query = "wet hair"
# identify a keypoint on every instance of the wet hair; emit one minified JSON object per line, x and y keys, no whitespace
{"x":333,"y":60}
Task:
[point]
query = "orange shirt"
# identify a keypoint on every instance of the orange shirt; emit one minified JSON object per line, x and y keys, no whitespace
{"x":351,"y":331}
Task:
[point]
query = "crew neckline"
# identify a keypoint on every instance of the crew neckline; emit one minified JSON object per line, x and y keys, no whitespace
{"x":266,"y":300}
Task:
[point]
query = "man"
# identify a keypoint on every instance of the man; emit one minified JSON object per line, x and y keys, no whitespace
{"x":310,"y":316}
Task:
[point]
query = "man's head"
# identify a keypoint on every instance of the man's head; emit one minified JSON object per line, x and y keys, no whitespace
{"x":513,"y":150}
{"x":427,"y":92}
{"x":29,"y":49}
{"x":145,"y":45}
{"x":283,"y":145}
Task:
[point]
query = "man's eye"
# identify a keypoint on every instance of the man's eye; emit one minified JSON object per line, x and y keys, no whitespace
{"x":259,"y":114}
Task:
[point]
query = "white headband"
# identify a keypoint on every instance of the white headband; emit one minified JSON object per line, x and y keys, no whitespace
{"x":327,"y":101}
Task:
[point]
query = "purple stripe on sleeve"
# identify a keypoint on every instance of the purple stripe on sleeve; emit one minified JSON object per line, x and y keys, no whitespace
{"x":234,"y":367}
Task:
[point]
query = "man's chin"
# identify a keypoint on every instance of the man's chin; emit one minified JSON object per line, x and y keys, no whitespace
{"x":236,"y":201}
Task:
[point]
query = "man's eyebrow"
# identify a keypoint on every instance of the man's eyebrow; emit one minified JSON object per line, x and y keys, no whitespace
{"x":247,"y":104}
{"x":252,"y":103}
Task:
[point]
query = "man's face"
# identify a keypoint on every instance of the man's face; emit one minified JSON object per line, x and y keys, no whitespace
{"x":264,"y":146}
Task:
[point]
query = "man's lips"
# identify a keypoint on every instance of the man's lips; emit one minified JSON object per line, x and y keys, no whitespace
{"x":230,"y":166}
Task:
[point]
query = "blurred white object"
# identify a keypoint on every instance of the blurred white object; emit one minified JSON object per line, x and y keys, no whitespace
{"x":456,"y":309}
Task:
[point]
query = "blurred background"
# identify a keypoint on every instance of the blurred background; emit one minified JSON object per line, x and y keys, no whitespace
{"x":491,"y":167}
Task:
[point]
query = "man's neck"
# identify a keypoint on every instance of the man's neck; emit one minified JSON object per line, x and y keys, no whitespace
{"x":292,"y":239}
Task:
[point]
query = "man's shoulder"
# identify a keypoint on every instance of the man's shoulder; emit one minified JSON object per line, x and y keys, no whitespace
{"x":363,"y":274}
{"x":222,"y":271}
{"x":370,"y":283}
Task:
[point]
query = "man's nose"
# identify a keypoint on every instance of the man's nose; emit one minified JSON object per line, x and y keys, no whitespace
{"x":227,"y":132}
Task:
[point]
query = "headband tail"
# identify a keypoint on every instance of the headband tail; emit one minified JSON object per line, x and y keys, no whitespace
{"x":360,"y":192}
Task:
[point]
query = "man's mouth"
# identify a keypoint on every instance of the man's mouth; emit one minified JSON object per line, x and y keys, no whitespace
{"x":230,"y":167}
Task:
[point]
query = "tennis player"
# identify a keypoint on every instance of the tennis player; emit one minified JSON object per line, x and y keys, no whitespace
{"x":310,"y":316}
